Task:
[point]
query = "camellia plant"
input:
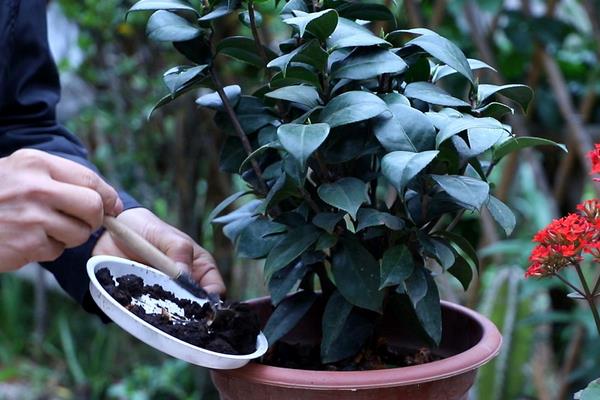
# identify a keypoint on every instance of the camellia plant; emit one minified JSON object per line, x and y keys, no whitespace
{"x":358,"y":158}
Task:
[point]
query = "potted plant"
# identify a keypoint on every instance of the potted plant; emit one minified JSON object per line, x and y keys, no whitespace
{"x":360,"y":165}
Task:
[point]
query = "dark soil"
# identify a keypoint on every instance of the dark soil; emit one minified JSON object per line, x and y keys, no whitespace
{"x":232,"y":329}
{"x":380,"y":355}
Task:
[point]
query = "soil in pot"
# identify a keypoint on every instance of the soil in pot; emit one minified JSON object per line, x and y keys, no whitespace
{"x":233,"y":330}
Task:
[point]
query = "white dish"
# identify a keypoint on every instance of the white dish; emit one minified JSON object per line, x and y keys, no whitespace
{"x":146,"y":332}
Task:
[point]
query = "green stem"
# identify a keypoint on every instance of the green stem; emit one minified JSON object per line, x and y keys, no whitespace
{"x":569,"y":284}
{"x":589,"y":297}
{"x":257,"y":40}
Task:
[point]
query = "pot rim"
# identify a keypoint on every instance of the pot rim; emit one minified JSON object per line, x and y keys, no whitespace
{"x":483,"y":351}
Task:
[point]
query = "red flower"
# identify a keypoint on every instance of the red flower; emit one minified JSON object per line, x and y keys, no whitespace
{"x":594,"y":157}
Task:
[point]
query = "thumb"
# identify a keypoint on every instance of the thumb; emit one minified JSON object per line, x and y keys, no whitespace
{"x":181,"y":251}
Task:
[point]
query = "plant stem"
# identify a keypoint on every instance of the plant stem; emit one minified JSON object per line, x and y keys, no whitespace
{"x":596,"y":286}
{"x":238,"y":128}
{"x":309,"y":200}
{"x":257,"y":40}
{"x":589,"y":297}
{"x":569,"y":284}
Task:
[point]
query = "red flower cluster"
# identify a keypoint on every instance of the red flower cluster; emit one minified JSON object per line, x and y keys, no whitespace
{"x":563,"y":241}
{"x":594,"y":157}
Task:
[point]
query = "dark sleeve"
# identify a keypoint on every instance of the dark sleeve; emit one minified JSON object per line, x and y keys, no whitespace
{"x":29,"y":92}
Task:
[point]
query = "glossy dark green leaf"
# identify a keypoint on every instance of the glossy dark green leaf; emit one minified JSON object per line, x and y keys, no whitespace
{"x":479,"y":141}
{"x":437,"y":248}
{"x":320,"y":24}
{"x":295,"y":76}
{"x":429,"y":311}
{"x":326,"y":241}
{"x":327,"y":221}
{"x":522,"y":94}
{"x":462,"y":271}
{"x":196,"y":50}
{"x":502,"y":214}
{"x":291,"y":247}
{"x":302,"y":94}
{"x":444,"y":70}
{"x":407,"y":129}
{"x":285,"y":280}
{"x":416,"y":284}
{"x":243,"y":49}
{"x":222,"y":9}
{"x":302,"y":140}
{"x":471,"y":192}
{"x":345,"y":330}
{"x":169,"y":5}
{"x":350,"y":34}
{"x":244,"y":18}
{"x":445,"y":51}
{"x":591,"y":392}
{"x":362,"y":11}
{"x":226,"y":203}
{"x":347,"y":194}
{"x":397,"y":265}
{"x":193,"y":84}
{"x":522,"y":142}
{"x":213,"y":100}
{"x":432,"y":94}
{"x":352,"y":107}
{"x":177,"y":77}
{"x":293,"y":5}
{"x":370,"y":63}
{"x":494,"y":110}
{"x":454,"y":126}
{"x":165,"y":26}
{"x":309,"y":53}
{"x":399,"y":167}
{"x":259,"y":237}
{"x":368,"y":217}
{"x":287,"y":315}
{"x":252,"y":114}
{"x":356,"y":274}
{"x":463,"y":245}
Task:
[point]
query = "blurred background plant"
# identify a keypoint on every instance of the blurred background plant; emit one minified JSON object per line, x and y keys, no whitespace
{"x":49,"y":348}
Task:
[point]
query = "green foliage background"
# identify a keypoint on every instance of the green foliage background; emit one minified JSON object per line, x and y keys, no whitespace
{"x":170,"y":163}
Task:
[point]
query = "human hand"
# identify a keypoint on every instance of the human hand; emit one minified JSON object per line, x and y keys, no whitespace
{"x":174,"y":243}
{"x":47,"y":204}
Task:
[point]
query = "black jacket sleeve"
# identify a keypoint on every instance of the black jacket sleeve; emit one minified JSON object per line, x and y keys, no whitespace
{"x":29,"y":92}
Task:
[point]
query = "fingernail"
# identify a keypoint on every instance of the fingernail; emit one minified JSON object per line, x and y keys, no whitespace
{"x":118,"y":207}
{"x":183,"y":267}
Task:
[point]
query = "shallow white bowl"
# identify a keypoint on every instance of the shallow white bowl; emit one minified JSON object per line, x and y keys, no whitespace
{"x":146,"y":332}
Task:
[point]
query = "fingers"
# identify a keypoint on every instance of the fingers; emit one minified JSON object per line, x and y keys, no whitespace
{"x":68,"y":171}
{"x":78,"y":202}
{"x":205,"y":271}
{"x":67,"y":230}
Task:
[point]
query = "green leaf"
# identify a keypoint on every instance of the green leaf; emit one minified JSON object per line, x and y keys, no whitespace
{"x":430,"y":93}
{"x":165,"y":26}
{"x":309,"y":53}
{"x":226,"y":203}
{"x":302,"y":94}
{"x":291,"y":247}
{"x":327,"y":221}
{"x":302,"y":140}
{"x":437,"y":248}
{"x":429,"y":311}
{"x":369,"y":63}
{"x":196,"y":50}
{"x":244,"y":18}
{"x":445,"y":51}
{"x":463,"y":245}
{"x":494,"y":110}
{"x":416,"y":285}
{"x":352,"y":107}
{"x":320,"y":24}
{"x":344,"y":330}
{"x":177,"y":77}
{"x":368,"y":217}
{"x":363,"y":11}
{"x":462,"y":271}
{"x":591,"y":392}
{"x":399,"y":167}
{"x":397,"y":265}
{"x":454,"y":126}
{"x":244,"y":165}
{"x":284,"y":281}
{"x":350,"y":34}
{"x":213,"y":100}
{"x":469,"y":191}
{"x":502,"y":214}
{"x":225,"y":7}
{"x":346,"y":194}
{"x":287,"y":315}
{"x":293,"y":5}
{"x":522,"y":94}
{"x":522,"y":142}
{"x":356,"y":275}
{"x":258,"y":238}
{"x":169,"y":5}
{"x":243,"y":49}
{"x":326,"y":241}
{"x":408,"y":129}
{"x":444,"y":70}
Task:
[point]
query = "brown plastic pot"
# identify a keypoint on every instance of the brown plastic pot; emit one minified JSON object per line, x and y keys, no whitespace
{"x":469,"y":341}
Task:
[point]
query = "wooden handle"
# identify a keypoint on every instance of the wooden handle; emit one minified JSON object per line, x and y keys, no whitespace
{"x":141,"y":247}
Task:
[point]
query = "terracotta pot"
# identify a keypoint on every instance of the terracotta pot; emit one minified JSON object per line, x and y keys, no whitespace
{"x":469,"y":341}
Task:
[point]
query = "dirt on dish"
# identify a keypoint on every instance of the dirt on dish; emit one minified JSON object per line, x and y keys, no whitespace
{"x":231,"y":330}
